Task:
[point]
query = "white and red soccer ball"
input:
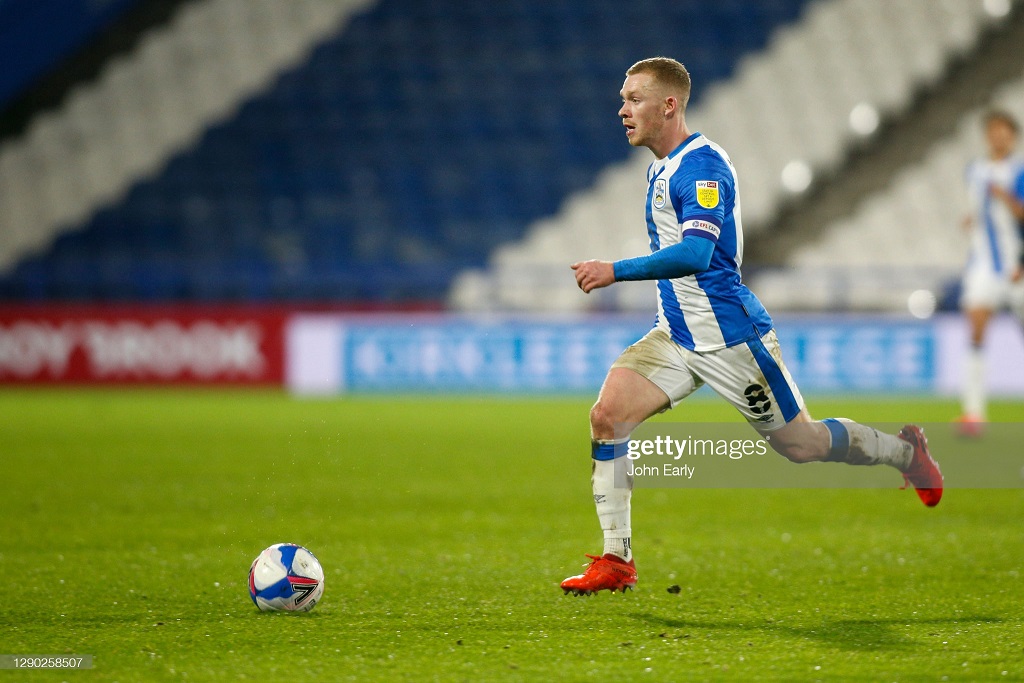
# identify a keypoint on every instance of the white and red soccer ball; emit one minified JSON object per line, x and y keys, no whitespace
{"x":286,"y":578}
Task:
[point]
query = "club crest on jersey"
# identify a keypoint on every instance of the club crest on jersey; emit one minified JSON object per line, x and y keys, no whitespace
{"x":707,"y":193}
{"x":660,"y":193}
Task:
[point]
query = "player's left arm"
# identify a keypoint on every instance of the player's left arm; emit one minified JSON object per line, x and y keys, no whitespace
{"x":1018,"y":274}
{"x":699,"y":201}
{"x":699,"y":198}
{"x":1018,"y":199}
{"x":691,"y":255}
{"x":1013,"y":198}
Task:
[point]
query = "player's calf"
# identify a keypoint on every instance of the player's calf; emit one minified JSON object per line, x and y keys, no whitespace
{"x":858,"y":444}
{"x":800,"y":441}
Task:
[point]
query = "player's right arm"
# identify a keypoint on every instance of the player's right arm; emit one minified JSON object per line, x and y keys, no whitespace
{"x":967,"y":220}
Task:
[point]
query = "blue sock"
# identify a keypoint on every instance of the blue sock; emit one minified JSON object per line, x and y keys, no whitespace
{"x":608,"y":450}
{"x":840,"y":448}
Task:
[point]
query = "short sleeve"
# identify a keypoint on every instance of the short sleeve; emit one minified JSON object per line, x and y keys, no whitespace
{"x":701,"y":191}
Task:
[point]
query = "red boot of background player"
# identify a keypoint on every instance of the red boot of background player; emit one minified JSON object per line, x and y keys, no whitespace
{"x":970,"y":426}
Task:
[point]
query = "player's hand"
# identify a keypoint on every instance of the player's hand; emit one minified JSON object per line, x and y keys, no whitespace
{"x":1018,"y":274}
{"x":999,"y":193}
{"x":592,"y":275}
{"x":967,"y":222}
{"x":1015,"y":206}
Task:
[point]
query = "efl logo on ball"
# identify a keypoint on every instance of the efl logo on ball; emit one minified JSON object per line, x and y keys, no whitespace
{"x":286,"y":578}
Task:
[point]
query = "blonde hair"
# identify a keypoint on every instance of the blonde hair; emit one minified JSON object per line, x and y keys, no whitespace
{"x":668,"y":72}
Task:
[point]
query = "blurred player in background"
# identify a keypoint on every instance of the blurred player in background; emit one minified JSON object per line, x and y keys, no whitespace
{"x":710,"y":329}
{"x":992,"y":279}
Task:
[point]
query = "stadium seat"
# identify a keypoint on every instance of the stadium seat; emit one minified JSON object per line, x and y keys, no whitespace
{"x":261,"y":149}
{"x":789,"y":102}
{"x":421,"y":135}
{"x":909,"y":232}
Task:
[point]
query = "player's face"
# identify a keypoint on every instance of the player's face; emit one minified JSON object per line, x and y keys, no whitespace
{"x":1001,"y":138}
{"x":642,"y":111}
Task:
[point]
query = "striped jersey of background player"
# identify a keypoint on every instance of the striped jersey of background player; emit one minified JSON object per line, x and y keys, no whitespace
{"x":993,"y":277}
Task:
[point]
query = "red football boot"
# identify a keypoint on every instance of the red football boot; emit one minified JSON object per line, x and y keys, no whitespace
{"x":923,"y":472}
{"x":610,"y":572}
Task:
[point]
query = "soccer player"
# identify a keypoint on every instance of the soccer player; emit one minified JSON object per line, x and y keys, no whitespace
{"x":710,"y":329}
{"x":996,"y":196}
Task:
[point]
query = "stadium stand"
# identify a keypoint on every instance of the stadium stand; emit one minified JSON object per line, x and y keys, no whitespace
{"x":851,"y":64}
{"x":898,"y":240}
{"x":884,"y":232}
{"x":88,"y":160}
{"x":36,"y":36}
{"x":373,"y":167}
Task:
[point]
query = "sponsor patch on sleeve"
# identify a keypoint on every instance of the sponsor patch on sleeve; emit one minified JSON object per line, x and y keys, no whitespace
{"x":702,"y":228}
{"x":707,"y":193}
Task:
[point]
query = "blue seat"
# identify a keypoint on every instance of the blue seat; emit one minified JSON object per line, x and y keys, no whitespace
{"x":406,"y":147}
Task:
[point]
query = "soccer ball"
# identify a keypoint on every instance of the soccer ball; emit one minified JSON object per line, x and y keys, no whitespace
{"x":286,"y":578}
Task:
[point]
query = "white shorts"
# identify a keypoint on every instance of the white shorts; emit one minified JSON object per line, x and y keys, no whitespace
{"x":750,"y":376}
{"x":983,"y":288}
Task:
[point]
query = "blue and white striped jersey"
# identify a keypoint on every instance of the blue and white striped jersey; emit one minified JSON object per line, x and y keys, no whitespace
{"x":995,"y":241}
{"x":694,"y":190}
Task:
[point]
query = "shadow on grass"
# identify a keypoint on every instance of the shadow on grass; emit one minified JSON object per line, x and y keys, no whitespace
{"x":850,"y":634}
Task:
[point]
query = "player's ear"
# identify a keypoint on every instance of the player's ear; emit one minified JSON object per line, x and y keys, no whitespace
{"x":671,"y":104}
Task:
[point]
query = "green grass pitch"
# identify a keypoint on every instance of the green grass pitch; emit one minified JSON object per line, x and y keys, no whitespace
{"x":128,"y":522}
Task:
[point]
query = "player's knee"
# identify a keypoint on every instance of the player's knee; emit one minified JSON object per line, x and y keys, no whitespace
{"x":602,"y":421}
